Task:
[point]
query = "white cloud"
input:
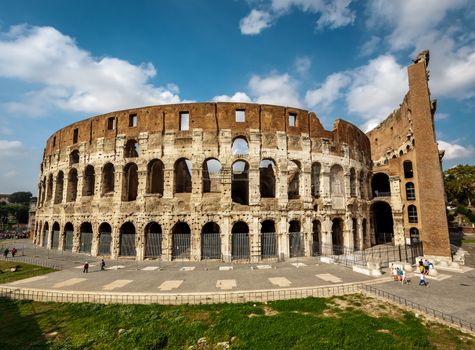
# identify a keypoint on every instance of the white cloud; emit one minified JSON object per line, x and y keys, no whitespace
{"x":455,"y":151}
{"x":329,"y":92}
{"x":441,"y":116}
{"x":237,"y":97}
{"x":255,"y":22}
{"x":370,"y":46}
{"x":302,"y":64}
{"x":331,"y":14}
{"x":8,"y":148}
{"x":275,"y":89}
{"x":71,"y":78}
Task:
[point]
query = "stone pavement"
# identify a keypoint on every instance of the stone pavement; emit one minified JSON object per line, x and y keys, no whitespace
{"x":449,"y":292}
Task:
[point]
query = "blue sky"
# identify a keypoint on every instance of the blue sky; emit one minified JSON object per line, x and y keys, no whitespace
{"x":62,"y":61}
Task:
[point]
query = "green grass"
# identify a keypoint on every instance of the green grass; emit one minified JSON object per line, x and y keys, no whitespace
{"x":470,"y":241}
{"x":23,"y":271}
{"x":351,"y":322}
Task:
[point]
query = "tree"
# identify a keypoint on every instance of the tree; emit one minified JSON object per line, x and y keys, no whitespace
{"x":20,"y":197}
{"x":460,"y":184}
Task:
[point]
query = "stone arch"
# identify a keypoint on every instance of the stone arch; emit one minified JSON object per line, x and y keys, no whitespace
{"x":268,"y":239}
{"x":130,"y":182}
{"x":240,"y":146}
{"x":382,"y":222}
{"x":352,"y":182}
{"x":210,"y":241}
{"x":315,"y":179}
{"x":55,"y":236}
{"x":153,"y":240}
{"x":364,"y":227}
{"x":155,"y":176}
{"x":85,"y":238}
{"x":380,"y":185}
{"x":108,"y":178}
{"x":362,"y":184}
{"x":337,"y":236}
{"x":131,"y":149}
{"x":317,"y":237}
{"x":127,"y":239}
{"x":414,"y":235}
{"x":68,"y":236}
{"x":240,"y":248}
{"x":240,"y":182}
{"x":267,"y":183}
{"x":72,"y":185}
{"x":355,"y":235}
{"x":183,"y":175}
{"x":293,"y":179}
{"x":74,"y":157}
{"x":296,"y":244}
{"x":337,"y":180}
{"x":45,"y":234}
{"x":89,"y":181}
{"x":105,"y":239}
{"x":211,"y":181}
{"x":181,"y":241}
{"x":58,"y":193}
{"x":49,"y":193}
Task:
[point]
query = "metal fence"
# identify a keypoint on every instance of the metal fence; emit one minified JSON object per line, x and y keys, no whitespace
{"x":296,"y":244}
{"x":127,"y":244}
{"x":105,"y":240}
{"x":85,"y":242}
{"x":181,"y":246}
{"x":268,"y":245}
{"x":210,"y":245}
{"x":240,"y":249}
{"x":68,"y":240}
{"x":153,"y":245}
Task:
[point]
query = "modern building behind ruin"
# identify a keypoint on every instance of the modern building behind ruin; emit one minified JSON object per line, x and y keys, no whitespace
{"x":241,"y":181}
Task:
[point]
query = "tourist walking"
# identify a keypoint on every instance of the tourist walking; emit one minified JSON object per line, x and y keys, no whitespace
{"x":403,"y":277}
{"x":103,"y":265}
{"x":5,"y":253}
{"x":86,"y":268}
{"x":13,"y":251}
{"x":422,"y":281}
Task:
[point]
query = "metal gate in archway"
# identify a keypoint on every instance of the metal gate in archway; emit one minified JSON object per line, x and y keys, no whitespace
{"x":85,"y":242}
{"x":296,"y":244}
{"x":181,"y":245}
{"x":268,"y":245}
{"x":45,"y":238}
{"x":55,"y":240}
{"x":240,"y":246}
{"x":127,"y":244}
{"x":210,"y":245}
{"x":153,"y":246}
{"x":105,"y":240}
{"x":68,"y":241}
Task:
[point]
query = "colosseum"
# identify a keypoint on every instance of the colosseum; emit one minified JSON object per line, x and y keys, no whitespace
{"x":243,"y":182}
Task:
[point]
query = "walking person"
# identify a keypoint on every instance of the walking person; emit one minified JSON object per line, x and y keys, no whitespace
{"x":103,"y":265}
{"x":86,"y":267}
{"x":403,"y":276}
{"x":13,"y":251}
{"x":422,"y":281}
{"x":5,"y":253}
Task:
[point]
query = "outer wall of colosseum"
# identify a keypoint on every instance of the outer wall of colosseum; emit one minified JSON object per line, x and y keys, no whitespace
{"x":241,"y":182}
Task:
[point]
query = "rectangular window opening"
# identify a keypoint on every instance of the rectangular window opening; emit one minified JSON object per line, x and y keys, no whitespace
{"x":292,"y":119}
{"x":240,"y":115}
{"x":111,"y":123}
{"x":75,"y":135}
{"x":54,"y":141}
{"x":184,"y":121}
{"x":133,"y":120}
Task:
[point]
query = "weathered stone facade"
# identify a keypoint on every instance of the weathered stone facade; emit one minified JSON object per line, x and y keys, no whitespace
{"x":229,"y":181}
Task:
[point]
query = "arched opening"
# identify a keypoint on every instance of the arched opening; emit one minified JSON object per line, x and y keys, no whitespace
{"x":410,"y":191}
{"x":181,"y":241}
{"x":293,"y":179}
{"x":337,"y":181}
{"x":316,"y":235}
{"x":49,"y":193}
{"x":382,"y":222}
{"x":131,"y":149}
{"x":356,"y":240}
{"x":380,"y":185}
{"x":58,"y":193}
{"x":74,"y":157}
{"x":268,"y":239}
{"x":352,"y":182}
{"x":296,"y":244}
{"x":183,"y":172}
{"x":365,"y":233}
{"x":130,"y":183}
{"x":72,"y":186}
{"x":315,"y":178}
{"x":267,"y":171}
{"x":362,"y":185}
{"x":85,"y":239}
{"x":210,"y":241}
{"x":412,"y":214}
{"x":414,"y":234}
{"x":89,"y":181}
{"x":155,"y":177}
{"x":211,"y":176}
{"x":240,"y":241}
{"x":127,"y":239}
{"x":45,"y":234}
{"x":153,"y":240}
{"x":240,"y":147}
{"x":408,"y":172}
{"x":55,"y":236}
{"x":240,"y":182}
{"x":105,"y":239}
{"x":337,"y":236}
{"x":68,"y":236}
{"x":108,"y":178}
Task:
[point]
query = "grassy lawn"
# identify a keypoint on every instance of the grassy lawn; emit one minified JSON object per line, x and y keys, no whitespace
{"x":470,"y":241}
{"x":23,"y":271}
{"x":350,"y":322}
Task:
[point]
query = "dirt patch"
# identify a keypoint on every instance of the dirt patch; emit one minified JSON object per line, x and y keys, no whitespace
{"x":199,"y":316}
{"x":268,"y":311}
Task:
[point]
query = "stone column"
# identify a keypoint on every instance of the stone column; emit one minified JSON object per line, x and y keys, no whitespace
{"x":255,"y":240}
{"x":95,"y":239}
{"x":307,"y":234}
{"x":348,"y":241}
{"x":226,"y":239}
{"x":326,"y":236}
{"x":283,"y":239}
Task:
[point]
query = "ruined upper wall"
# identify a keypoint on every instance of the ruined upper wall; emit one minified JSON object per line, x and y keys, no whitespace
{"x":212,"y":117}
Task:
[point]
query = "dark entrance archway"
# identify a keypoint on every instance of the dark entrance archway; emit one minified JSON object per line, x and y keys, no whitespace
{"x":181,"y":239}
{"x":337,"y":236}
{"x":210,"y":241}
{"x":45,"y":235}
{"x":268,"y":240}
{"x":380,"y":185}
{"x":127,"y":240}
{"x":296,"y":247}
{"x":85,"y":238}
{"x":105,"y":239}
{"x":68,"y":236}
{"x":382,"y":222}
{"x":316,"y":235}
{"x":55,"y":236}
{"x":153,"y":240}
{"x":240,"y":241}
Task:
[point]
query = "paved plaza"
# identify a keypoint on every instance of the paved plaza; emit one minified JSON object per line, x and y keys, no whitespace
{"x":450,"y":292}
